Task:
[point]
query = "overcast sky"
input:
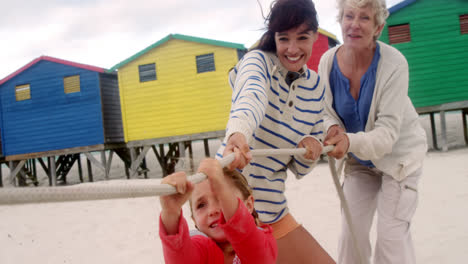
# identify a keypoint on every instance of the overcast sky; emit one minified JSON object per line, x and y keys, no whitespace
{"x":105,"y":32}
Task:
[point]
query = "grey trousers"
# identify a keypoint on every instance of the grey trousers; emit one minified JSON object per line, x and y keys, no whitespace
{"x":367,"y":191}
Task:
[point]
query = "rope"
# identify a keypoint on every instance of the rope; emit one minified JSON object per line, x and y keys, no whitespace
{"x":344,"y":206}
{"x":10,"y":196}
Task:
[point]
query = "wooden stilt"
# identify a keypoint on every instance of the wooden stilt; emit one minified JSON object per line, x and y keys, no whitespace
{"x":104,"y":164}
{"x":433,"y":130}
{"x":465,"y":127}
{"x":1,"y":175}
{"x":80,"y":169}
{"x":207,"y":147}
{"x":53,"y":170}
{"x":443,"y":128}
{"x":90,"y":170}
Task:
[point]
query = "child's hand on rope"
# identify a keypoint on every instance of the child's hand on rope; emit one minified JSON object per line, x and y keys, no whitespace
{"x":220,"y":186}
{"x":312,"y":146}
{"x":171,"y":205}
{"x":337,"y":136}
{"x":237,"y":143}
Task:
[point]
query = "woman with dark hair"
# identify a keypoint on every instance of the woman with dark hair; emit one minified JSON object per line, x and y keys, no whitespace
{"x":277,"y":103}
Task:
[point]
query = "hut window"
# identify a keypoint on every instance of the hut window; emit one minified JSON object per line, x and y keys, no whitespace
{"x":23,"y":92}
{"x":464,"y":24}
{"x":71,"y":84}
{"x":147,"y":72}
{"x":399,"y":33}
{"x":205,"y":63}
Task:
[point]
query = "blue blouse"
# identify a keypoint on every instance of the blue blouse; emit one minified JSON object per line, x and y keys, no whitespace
{"x":354,"y":113}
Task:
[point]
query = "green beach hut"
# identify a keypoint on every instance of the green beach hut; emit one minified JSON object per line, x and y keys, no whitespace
{"x":433,"y":36}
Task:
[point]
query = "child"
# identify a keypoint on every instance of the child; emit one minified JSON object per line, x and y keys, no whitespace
{"x":222,"y":209}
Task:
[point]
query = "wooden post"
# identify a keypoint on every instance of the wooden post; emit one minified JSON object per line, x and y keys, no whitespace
{"x":1,"y":176}
{"x":162,"y":158}
{"x":207,"y":147}
{"x":145,"y":168}
{"x":80,"y":169}
{"x":90,"y":170}
{"x":133,"y":169}
{"x":433,"y":130}
{"x":465,"y":128}
{"x":192,"y":169}
{"x":12,"y":177}
{"x":443,"y":129}
{"x":127,"y":173}
{"x":53,"y":170}
{"x":104,"y":162}
{"x":34,"y":168}
{"x":49,"y":173}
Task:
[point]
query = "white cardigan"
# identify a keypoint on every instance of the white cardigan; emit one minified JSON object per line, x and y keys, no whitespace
{"x":393,"y":139}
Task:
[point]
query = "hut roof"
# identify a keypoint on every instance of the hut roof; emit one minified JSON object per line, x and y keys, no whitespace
{"x":400,"y":5}
{"x":52,"y":59}
{"x":328,"y":34}
{"x":181,"y":37}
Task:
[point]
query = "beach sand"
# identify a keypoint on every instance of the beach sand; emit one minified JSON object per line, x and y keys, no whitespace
{"x":126,"y":230}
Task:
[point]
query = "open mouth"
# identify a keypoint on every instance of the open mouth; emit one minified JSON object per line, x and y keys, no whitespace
{"x":214,"y":224}
{"x":293,"y":59}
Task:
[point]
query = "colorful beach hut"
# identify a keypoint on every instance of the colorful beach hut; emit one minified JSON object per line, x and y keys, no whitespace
{"x":176,"y":90}
{"x":325,"y":41}
{"x":53,"y":107}
{"x":433,"y":36}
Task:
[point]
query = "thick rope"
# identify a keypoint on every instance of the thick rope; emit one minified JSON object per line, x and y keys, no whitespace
{"x":115,"y":191}
{"x":146,"y":188}
{"x":344,"y":206}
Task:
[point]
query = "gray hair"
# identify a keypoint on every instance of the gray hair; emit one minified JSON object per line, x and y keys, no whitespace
{"x":378,"y":6}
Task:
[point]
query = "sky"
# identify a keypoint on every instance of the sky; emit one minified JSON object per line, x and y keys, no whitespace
{"x":105,"y":32}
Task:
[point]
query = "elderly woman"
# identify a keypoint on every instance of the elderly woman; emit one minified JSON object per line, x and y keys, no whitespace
{"x":371,"y":120}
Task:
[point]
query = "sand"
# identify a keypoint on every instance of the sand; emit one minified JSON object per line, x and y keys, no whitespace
{"x":126,"y":230}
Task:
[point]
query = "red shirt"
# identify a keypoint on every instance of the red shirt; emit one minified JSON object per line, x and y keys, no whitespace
{"x":250,"y":243}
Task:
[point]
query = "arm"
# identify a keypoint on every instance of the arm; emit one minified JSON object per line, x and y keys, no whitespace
{"x":173,"y":229}
{"x":223,"y":190}
{"x":379,"y":141}
{"x":250,"y":81}
{"x":171,"y":205}
{"x":251,"y":244}
{"x":302,"y":165}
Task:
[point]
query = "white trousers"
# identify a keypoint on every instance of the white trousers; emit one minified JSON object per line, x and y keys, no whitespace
{"x":368,"y":190}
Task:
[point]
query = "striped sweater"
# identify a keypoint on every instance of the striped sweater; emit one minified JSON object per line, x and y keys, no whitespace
{"x":272,"y":114}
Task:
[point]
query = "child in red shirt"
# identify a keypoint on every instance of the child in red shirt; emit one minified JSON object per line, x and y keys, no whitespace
{"x":222,"y":209}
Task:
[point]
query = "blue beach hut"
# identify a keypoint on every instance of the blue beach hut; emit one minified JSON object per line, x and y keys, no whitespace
{"x":52,"y":104}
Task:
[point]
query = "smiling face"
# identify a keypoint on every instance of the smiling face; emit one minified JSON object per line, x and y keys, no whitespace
{"x":294,"y":47}
{"x":206,"y":210}
{"x":359,"y":27}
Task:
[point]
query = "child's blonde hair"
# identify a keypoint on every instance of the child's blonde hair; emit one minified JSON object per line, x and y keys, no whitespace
{"x":240,"y":183}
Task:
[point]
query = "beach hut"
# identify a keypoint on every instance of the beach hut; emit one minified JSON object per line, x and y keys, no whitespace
{"x":433,"y":36}
{"x":53,"y":107}
{"x":176,"y":91}
{"x":325,"y":41}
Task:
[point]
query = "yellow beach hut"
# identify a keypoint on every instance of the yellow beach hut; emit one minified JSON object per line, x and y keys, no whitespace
{"x":176,"y":90}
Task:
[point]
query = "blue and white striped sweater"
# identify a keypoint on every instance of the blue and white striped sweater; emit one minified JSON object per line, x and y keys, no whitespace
{"x":272,"y":114}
